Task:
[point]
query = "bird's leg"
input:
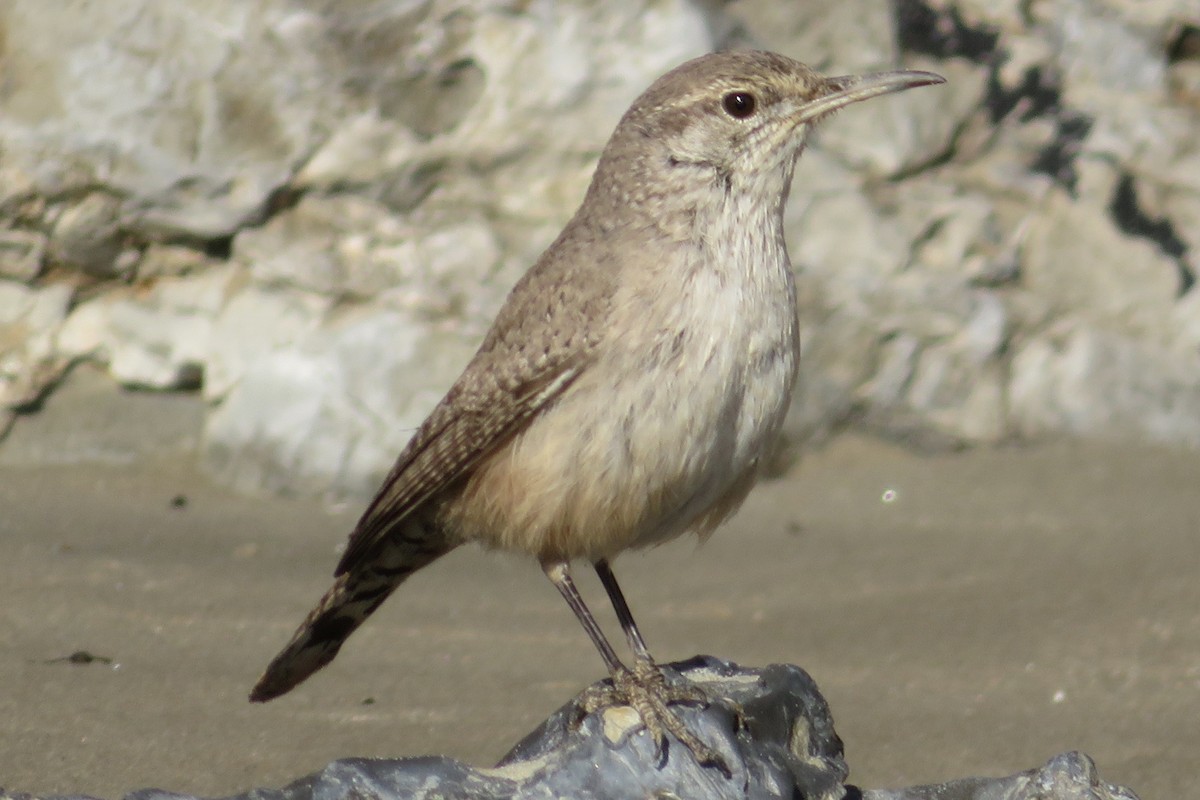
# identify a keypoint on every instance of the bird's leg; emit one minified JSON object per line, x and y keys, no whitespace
{"x":644,"y":688}
{"x":643,"y":662}
{"x":559,"y":574}
{"x":643,"y":665}
{"x":636,"y":643}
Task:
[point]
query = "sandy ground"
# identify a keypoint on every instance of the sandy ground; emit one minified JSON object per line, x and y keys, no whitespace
{"x":964,"y":614}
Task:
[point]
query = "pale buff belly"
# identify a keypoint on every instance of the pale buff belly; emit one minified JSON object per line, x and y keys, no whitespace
{"x":633,"y":457}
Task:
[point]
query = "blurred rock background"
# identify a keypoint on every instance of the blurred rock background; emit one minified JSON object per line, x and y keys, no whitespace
{"x":306,"y":212}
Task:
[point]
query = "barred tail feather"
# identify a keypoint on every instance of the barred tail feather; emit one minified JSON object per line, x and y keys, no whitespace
{"x":352,"y":598}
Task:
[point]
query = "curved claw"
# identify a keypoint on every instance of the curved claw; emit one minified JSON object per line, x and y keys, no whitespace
{"x":645,"y":689}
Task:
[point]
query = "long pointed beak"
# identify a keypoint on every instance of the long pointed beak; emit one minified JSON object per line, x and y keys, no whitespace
{"x":847,"y":89}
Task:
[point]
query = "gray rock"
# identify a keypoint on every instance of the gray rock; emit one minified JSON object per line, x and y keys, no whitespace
{"x":86,"y":235}
{"x":785,"y":744}
{"x":771,"y":725}
{"x":1067,"y":776}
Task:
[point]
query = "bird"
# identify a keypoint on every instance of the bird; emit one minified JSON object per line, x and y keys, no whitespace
{"x":635,"y":379}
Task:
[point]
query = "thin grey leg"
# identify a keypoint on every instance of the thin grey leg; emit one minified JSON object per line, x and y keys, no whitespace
{"x":559,"y":574}
{"x":636,"y":642}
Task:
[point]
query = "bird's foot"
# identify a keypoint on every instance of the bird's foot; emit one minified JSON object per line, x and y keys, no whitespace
{"x":645,"y":689}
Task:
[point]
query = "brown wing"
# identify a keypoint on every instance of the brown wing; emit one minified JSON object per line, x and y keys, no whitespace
{"x":467,"y":425}
{"x":542,"y":339}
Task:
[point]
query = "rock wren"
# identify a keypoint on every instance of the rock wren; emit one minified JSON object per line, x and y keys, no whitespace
{"x":635,"y":378}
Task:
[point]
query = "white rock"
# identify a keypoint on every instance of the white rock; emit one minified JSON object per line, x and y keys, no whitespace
{"x":897,"y":362}
{"x":963,"y":234}
{"x":156,"y":348}
{"x":1100,"y":55}
{"x":956,"y":396}
{"x":29,"y":319}
{"x":171,"y":261}
{"x":1075,"y":257}
{"x":835,"y":231}
{"x":360,"y":148}
{"x":1150,"y":14}
{"x":346,"y":246}
{"x":383,"y":179}
{"x":257,"y":322}
{"x":329,"y":414}
{"x":902,"y":131}
{"x":37,"y":309}
{"x":845,"y":36}
{"x":839,"y":352}
{"x":1186,"y":318}
{"x":158,"y":339}
{"x":21,"y":254}
{"x":1088,"y":382}
{"x":958,"y":384}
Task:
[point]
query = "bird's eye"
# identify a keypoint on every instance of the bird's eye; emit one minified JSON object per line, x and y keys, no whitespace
{"x":739,"y":105}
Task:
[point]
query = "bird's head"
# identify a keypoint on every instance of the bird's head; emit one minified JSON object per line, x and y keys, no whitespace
{"x":738,"y":117}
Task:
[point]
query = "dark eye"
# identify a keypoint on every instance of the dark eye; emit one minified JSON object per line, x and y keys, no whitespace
{"x":739,"y":105}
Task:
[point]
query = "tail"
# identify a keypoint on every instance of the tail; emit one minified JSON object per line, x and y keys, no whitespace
{"x":352,"y":598}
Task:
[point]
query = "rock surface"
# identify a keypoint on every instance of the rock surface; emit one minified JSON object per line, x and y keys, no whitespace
{"x":771,"y":725}
{"x":309,"y":213}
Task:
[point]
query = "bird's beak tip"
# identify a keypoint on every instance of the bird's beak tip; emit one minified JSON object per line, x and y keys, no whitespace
{"x":843,"y":90}
{"x":926,"y":78}
{"x":877,"y":83}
